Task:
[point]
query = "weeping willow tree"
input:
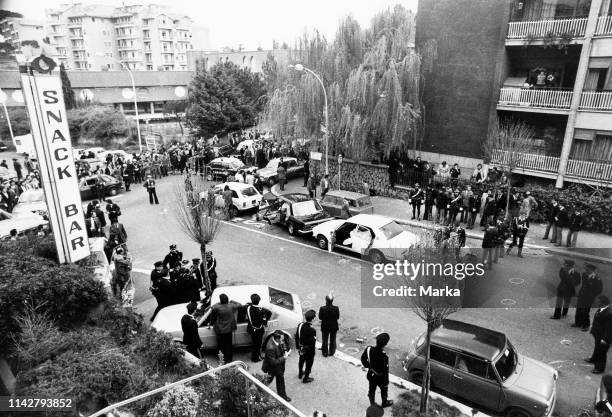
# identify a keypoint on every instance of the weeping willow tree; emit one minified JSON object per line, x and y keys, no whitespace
{"x":372,"y":78}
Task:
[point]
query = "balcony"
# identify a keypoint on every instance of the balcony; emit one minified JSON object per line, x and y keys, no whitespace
{"x":604,"y":26}
{"x":596,"y":100}
{"x":535,"y":100}
{"x":540,"y":29}
{"x":548,"y":166}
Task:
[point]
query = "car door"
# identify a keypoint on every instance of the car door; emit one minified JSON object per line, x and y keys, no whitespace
{"x":441,"y":366}
{"x":206,"y":332}
{"x":241,"y":337}
{"x":475,"y":380}
{"x":342,"y":234}
{"x":87,"y":188}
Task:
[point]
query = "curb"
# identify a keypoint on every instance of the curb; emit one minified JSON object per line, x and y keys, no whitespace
{"x":405,"y":384}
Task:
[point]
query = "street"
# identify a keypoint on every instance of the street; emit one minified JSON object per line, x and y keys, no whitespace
{"x":250,"y":252}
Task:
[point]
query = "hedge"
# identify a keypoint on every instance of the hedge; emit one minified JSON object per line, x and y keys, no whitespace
{"x":408,"y":404}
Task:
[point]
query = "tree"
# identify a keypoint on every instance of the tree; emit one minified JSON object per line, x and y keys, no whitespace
{"x":196,"y":216}
{"x":224,"y":99}
{"x":67,"y":90}
{"x":20,"y":122}
{"x":177,"y":109}
{"x":507,"y":142}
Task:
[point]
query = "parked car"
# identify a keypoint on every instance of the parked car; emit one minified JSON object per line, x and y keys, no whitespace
{"x":98,"y":263}
{"x":32,"y":201}
{"x":244,"y":197}
{"x":293,"y":166}
{"x":223,"y":150}
{"x":22,"y":222}
{"x":358,"y":203}
{"x":95,"y":150}
{"x":375,"y":237}
{"x":481,"y":366}
{"x":224,"y":168}
{"x":286,"y":311}
{"x":297,"y":212}
{"x":88,"y":186}
{"x":118,"y":152}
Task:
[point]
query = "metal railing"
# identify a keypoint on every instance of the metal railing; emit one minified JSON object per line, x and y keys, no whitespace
{"x":596,"y":100}
{"x":240,"y":366}
{"x":535,"y":162}
{"x":590,"y":169}
{"x":538,"y":29}
{"x":535,"y":97}
{"x":604,"y":26}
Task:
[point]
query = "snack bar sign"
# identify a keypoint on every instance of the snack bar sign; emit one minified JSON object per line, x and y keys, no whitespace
{"x":51,"y":136}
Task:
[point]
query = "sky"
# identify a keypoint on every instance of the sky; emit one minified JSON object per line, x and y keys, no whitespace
{"x":252,"y":23}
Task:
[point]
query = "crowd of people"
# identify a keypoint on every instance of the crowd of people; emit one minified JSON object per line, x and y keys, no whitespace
{"x":26,"y":177}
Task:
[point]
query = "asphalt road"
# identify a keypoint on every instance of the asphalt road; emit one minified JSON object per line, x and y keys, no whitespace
{"x":252,"y":252}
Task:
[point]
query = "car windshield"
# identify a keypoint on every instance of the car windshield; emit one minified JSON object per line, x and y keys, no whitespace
{"x":249,"y":192}
{"x":281,"y":298}
{"x":506,"y":363}
{"x":32,"y":197}
{"x":391,"y":229}
{"x":273,"y":164}
{"x":306,"y":208}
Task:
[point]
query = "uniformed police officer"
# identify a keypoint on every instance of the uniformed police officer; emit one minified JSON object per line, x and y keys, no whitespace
{"x":197,"y":283}
{"x":376,"y":361}
{"x":305,"y":343}
{"x":173,"y":258}
{"x":257,"y":318}
{"x":158,"y":288}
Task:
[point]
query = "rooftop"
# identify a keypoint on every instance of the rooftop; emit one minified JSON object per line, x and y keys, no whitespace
{"x":476,"y":340}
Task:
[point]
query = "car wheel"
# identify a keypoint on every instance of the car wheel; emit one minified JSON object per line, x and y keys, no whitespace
{"x":322,"y":242}
{"x":377,"y":257}
{"x":291,"y":229}
{"x":417,"y":378}
{"x":112,"y":191}
{"x":517,"y":412}
{"x":234,"y":211}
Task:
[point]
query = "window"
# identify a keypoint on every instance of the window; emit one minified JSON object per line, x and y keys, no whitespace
{"x":442,"y":355}
{"x":506,"y":363}
{"x":474,"y":366}
{"x":281,"y":298}
{"x":249,"y":192}
{"x":392,"y":229}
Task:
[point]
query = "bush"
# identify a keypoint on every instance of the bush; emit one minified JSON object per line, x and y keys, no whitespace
{"x":178,"y":402}
{"x":64,"y":292}
{"x":408,"y":403}
{"x":122,"y":324}
{"x":158,"y":352}
{"x":102,"y":123}
{"x":20,"y":122}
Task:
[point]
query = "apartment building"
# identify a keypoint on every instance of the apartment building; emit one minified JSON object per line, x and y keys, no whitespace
{"x":16,"y":30}
{"x":545,"y":62}
{"x":98,"y":37}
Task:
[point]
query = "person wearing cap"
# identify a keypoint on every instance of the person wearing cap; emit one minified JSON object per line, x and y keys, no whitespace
{"x":274,"y":363}
{"x":257,"y":320}
{"x":329,"y":314}
{"x":173,"y":258}
{"x":181,"y":277}
{"x":454,"y":207}
{"x":149,"y":184}
{"x":602,"y":333}
{"x":305,"y":343}
{"x":590,"y":289}
{"x":123,"y":266}
{"x":210,"y":278}
{"x":161,"y":288}
{"x":416,"y":199}
{"x":223,"y":318}
{"x":376,"y":361}
{"x":196,"y":282}
{"x":191,"y":337}
{"x":568,"y":279}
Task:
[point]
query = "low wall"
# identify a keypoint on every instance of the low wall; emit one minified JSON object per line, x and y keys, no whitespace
{"x":354,"y":173}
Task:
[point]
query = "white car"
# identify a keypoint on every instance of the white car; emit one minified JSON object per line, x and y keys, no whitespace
{"x":244,"y":197}
{"x":22,"y":222}
{"x":286,"y":311}
{"x":376,"y":237}
{"x":32,"y":201}
{"x":269,"y":172}
{"x":98,"y":264}
{"x":96,"y":150}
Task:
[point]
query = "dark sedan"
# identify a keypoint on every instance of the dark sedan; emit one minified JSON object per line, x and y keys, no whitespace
{"x":90,"y":186}
{"x":297,"y":212}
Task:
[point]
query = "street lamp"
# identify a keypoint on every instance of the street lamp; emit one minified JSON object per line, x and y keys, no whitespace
{"x":302,"y":68}
{"x":99,"y":54}
{"x":3,"y":98}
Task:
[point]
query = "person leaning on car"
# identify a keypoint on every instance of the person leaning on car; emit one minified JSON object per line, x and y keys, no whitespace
{"x":224,"y":323}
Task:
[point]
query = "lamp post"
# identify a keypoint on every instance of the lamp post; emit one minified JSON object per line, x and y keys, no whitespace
{"x":3,"y":98}
{"x":340,"y":159}
{"x":133,"y":92}
{"x":302,"y":68}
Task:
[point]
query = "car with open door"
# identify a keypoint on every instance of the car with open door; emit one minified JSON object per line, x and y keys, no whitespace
{"x":286,"y":311}
{"x":298,"y":212}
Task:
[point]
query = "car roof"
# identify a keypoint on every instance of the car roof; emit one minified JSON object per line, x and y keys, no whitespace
{"x":226,"y":159}
{"x":285,"y":158}
{"x":242,"y":293}
{"x":370,"y":220}
{"x":234,"y":185}
{"x":469,"y":338}
{"x":351,"y":195}
{"x":295,"y":197}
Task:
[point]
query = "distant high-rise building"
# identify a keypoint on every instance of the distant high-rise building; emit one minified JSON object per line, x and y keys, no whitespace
{"x":15,"y":30}
{"x":95,"y":37}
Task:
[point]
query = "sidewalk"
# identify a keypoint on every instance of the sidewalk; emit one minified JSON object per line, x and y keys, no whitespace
{"x":592,"y":247}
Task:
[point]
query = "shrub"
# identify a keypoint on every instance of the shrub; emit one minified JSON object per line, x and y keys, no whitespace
{"x":408,"y":403}
{"x":20,"y":122}
{"x":159,"y":352}
{"x":123,"y":324}
{"x":102,"y":123}
{"x":181,"y":401}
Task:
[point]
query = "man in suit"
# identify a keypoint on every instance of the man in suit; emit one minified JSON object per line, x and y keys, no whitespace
{"x":224,"y":319}
{"x":257,"y":318}
{"x":376,"y":361}
{"x":149,"y":184}
{"x":329,"y":315}
{"x":590,"y":289}
{"x":274,"y":363}
{"x":602,"y":333}
{"x":305,"y":343}
{"x":191,"y":337}
{"x":568,"y":279}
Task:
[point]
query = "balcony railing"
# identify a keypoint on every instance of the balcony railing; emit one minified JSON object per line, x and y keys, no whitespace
{"x":596,"y":100}
{"x":535,"y":97}
{"x":578,"y":168}
{"x":604,"y":26}
{"x":538,"y":29}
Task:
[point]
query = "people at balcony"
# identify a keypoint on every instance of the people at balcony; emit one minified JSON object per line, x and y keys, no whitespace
{"x":541,"y":80}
